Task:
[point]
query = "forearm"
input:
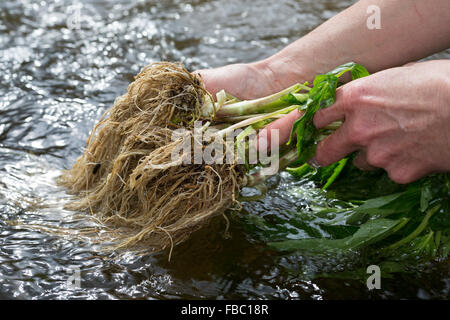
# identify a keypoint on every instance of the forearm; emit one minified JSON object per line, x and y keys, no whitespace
{"x":410,"y":30}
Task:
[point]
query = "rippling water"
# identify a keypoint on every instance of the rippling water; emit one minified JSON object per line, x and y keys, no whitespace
{"x":62,"y":63}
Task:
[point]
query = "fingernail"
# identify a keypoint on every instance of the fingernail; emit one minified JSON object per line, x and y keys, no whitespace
{"x":313,"y":163}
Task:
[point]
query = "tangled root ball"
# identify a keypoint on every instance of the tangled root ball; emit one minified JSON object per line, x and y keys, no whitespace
{"x":126,"y":178}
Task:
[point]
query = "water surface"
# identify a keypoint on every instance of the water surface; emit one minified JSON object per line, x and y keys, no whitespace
{"x":58,"y":74}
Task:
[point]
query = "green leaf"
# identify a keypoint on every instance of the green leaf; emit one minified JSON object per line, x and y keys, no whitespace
{"x":301,"y":171}
{"x":336,"y":171}
{"x":388,"y":270}
{"x":369,"y":233}
{"x":374,"y":231}
{"x":425,"y":197}
{"x":417,"y":231}
{"x":445,"y":247}
{"x":339,"y":231}
{"x":297,"y":98}
{"x":386,"y":205}
{"x":322,"y":95}
{"x":357,"y":70}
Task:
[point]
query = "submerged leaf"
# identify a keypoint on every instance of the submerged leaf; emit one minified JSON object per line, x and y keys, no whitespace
{"x":369,"y":233}
{"x":301,"y":171}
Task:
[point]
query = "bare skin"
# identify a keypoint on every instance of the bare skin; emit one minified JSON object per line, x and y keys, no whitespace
{"x":398,"y":119}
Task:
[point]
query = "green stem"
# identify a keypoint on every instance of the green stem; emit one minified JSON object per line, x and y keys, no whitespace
{"x":260,"y":105}
{"x":255,"y":119}
{"x":336,"y":172}
{"x":249,"y":116}
{"x":334,"y":125}
{"x":260,"y":176}
{"x":417,"y":231}
{"x":239,"y":145}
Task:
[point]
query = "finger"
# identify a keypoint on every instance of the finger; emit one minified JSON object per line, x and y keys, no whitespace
{"x":210,"y":80}
{"x":406,"y":170}
{"x":336,"y":112}
{"x":334,"y":147}
{"x":361,"y":161}
{"x":282,"y":126}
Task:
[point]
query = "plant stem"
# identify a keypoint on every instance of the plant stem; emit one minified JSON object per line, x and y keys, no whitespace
{"x":336,"y":172}
{"x":261,"y":175}
{"x":249,"y":116}
{"x":418,"y":230}
{"x":260,"y":105}
{"x":255,"y":119}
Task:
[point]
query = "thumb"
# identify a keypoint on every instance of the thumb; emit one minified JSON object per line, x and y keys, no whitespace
{"x":209,"y":80}
{"x":232,"y":78}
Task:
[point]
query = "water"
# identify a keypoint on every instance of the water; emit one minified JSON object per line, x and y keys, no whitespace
{"x":56,"y":81}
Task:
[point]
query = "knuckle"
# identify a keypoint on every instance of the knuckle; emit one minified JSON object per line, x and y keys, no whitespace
{"x":358,"y":133}
{"x":401,"y":176}
{"x":318,"y":119}
{"x":357,"y":90}
{"x":360,"y":163}
{"x":322,"y":154}
{"x":354,"y":95}
{"x":377,"y":159}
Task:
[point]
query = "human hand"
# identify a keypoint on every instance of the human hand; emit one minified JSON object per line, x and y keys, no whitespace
{"x":244,"y":81}
{"x":255,"y":80}
{"x":398,"y":120}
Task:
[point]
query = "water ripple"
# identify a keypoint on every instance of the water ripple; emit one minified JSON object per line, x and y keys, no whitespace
{"x":59,"y":74}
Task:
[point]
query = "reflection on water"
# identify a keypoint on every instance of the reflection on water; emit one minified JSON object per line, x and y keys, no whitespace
{"x":62,"y":63}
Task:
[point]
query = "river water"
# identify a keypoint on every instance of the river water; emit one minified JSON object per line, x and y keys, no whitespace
{"x":62,"y":64}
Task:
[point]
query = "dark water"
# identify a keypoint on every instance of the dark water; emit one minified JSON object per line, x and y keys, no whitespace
{"x":56,"y":81}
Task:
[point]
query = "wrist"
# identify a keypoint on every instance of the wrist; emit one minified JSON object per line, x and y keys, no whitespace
{"x":282,"y":71}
